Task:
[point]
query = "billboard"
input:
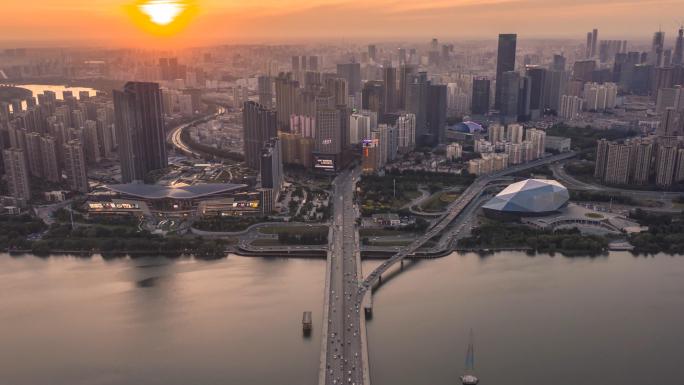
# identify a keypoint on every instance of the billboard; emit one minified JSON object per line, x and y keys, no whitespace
{"x":324,"y":163}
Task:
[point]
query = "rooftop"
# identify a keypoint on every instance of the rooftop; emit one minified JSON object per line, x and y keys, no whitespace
{"x":155,"y":191}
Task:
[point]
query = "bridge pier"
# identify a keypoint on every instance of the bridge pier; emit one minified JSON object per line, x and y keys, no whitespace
{"x":402,"y":264}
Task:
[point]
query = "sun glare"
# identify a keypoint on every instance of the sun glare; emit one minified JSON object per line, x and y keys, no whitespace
{"x":162,"y":12}
{"x":162,"y":17}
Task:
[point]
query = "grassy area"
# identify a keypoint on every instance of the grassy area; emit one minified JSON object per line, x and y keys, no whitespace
{"x":594,"y":215}
{"x":377,"y":193}
{"x":439,"y":201}
{"x":381,"y":232}
{"x":266,"y":242}
{"x":294,"y":230}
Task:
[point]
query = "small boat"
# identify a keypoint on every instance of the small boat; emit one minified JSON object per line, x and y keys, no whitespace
{"x":469,"y":378}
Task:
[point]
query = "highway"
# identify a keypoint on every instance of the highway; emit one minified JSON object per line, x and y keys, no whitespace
{"x":344,"y":343}
{"x":174,"y":136}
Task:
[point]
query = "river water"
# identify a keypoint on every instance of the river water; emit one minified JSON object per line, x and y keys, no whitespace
{"x":541,"y":320}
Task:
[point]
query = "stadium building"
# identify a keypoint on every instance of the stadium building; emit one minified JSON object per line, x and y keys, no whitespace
{"x":531,"y":197}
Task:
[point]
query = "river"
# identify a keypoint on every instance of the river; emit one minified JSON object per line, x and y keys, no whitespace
{"x":537,"y":320}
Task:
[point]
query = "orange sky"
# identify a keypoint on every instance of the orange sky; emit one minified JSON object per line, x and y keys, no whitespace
{"x":227,"y":21}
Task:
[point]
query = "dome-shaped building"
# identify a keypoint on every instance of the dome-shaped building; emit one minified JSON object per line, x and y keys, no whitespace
{"x":531,"y":197}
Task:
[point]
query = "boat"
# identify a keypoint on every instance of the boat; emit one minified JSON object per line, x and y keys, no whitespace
{"x":469,"y":377}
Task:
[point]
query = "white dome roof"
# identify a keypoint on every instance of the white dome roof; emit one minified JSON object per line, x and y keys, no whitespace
{"x":530,"y":196}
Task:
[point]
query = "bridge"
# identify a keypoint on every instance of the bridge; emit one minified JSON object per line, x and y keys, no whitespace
{"x":344,"y":347}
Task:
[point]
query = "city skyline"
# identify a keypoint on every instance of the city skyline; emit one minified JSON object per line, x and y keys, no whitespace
{"x":112,"y":22}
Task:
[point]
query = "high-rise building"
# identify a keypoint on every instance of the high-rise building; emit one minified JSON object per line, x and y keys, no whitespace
{"x":328,"y":132}
{"x":416,"y":103}
{"x":406,"y":73}
{"x":505,"y":62}
{"x":594,"y":40}
{"x":538,"y":140}
{"x":372,"y":52}
{"x":271,"y":166}
{"x":265,"y":91}
{"x":481,"y":97}
{"x":514,"y":133}
{"x":17,"y":173}
{"x":360,"y":125}
{"x":454,"y":151}
{"x":286,"y":100}
{"x":617,"y":163}
{"x":678,"y":55}
{"x":50,"y":160}
{"x":655,"y":57}
{"x":75,"y":166}
{"x":406,"y":132}
{"x":389,"y":77}
{"x":140,"y":130}
{"x":671,"y":123}
{"x":559,"y":63}
{"x":91,"y":144}
{"x":508,"y":85}
{"x":570,"y":107}
{"x":537,"y":77}
{"x":373,"y":98}
{"x":641,"y":164}
{"x":351,"y":72}
{"x":583,"y":70}
{"x":599,"y":97}
{"x":258,"y":125}
{"x":679,"y":173}
{"x":436,"y":114}
{"x":497,"y":133}
{"x":33,"y":154}
{"x":666,"y":163}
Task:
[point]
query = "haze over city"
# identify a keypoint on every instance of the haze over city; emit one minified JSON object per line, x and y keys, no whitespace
{"x":341,"y":192}
{"x":268,"y":21}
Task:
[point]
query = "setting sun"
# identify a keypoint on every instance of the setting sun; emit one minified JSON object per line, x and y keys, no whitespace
{"x":162,"y":12}
{"x":162,"y":17}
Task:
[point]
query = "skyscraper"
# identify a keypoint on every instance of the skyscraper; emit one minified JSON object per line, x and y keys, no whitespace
{"x":416,"y":102}
{"x":74,"y":164}
{"x":389,"y":77}
{"x":372,"y":52}
{"x":655,"y":57}
{"x":374,"y":98}
{"x":594,"y":39}
{"x":509,"y":87}
{"x":351,"y":72}
{"x":328,"y":132}
{"x":140,"y":130}
{"x":286,"y":100}
{"x":436,"y":114}
{"x":505,"y":61}
{"x":406,"y":73}
{"x":537,"y":77}
{"x":271,"y":166}
{"x":617,"y":163}
{"x":666,"y":163}
{"x":258,"y":125}
{"x":559,"y":62}
{"x":481,"y":98}
{"x":265,"y":91}
{"x":678,"y":55}
{"x":406,"y":132}
{"x":17,"y":172}
{"x":642,"y":155}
